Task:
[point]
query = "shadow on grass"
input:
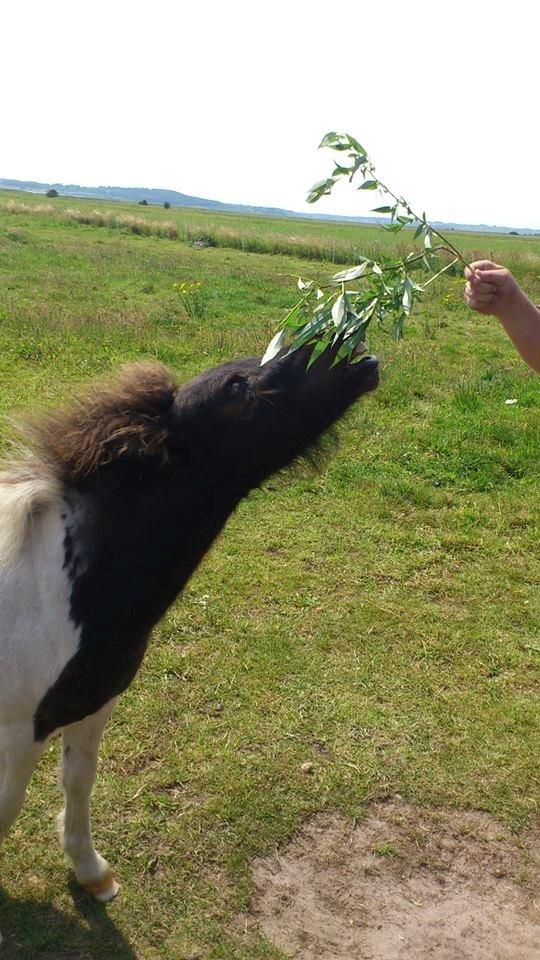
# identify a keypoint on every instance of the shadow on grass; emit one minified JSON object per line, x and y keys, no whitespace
{"x":36,"y":930}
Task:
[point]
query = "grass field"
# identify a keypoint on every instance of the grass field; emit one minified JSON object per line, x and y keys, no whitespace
{"x":309,"y":239}
{"x":379,"y":619}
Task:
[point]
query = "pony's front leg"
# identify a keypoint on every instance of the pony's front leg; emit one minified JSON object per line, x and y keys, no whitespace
{"x":79,"y":765}
{"x":19,"y":754}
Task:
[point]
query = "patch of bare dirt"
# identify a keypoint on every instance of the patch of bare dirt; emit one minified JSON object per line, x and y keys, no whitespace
{"x":403,"y":884}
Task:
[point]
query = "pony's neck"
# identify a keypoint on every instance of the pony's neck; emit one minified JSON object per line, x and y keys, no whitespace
{"x":131,"y":547}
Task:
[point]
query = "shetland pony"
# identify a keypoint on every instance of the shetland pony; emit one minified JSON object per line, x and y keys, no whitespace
{"x":103,"y":520}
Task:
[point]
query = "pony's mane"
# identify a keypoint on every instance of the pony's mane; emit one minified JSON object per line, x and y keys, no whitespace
{"x":27,"y":488}
{"x":127,"y":417}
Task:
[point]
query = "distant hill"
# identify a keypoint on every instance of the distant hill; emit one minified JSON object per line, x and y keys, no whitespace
{"x":176,"y":199}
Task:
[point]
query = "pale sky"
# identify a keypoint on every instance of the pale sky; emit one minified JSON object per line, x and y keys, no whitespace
{"x":229,"y":100}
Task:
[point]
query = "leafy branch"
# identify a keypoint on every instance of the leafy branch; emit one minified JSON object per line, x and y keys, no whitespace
{"x":370,"y":291}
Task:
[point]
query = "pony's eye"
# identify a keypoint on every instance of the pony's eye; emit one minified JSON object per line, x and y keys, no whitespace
{"x":236,"y":387}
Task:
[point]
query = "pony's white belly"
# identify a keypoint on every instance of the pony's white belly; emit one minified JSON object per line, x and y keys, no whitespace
{"x":37,"y":637}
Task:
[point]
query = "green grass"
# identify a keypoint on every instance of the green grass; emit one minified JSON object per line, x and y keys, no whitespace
{"x":307,"y":239}
{"x":378,"y":619}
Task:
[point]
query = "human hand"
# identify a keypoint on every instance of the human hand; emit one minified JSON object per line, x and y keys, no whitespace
{"x":491,"y":288}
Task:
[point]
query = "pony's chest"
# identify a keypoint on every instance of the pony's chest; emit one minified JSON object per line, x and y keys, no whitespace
{"x":104,"y":611}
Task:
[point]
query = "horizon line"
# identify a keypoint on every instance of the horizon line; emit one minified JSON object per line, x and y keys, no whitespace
{"x":264,"y":210}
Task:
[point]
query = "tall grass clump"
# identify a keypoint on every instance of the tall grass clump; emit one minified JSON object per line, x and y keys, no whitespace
{"x":39,"y":209}
{"x":114,"y":221}
{"x":251,"y":241}
{"x":98,"y":218}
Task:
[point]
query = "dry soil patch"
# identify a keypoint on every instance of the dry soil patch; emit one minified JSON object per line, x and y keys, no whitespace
{"x":403,"y":884}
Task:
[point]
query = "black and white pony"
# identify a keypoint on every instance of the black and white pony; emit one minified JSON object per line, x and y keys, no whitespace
{"x":102,"y":522}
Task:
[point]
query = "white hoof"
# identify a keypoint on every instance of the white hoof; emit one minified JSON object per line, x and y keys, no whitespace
{"x":110,"y":893}
{"x":104,"y":889}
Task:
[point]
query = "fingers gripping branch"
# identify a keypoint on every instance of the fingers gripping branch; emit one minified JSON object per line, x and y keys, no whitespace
{"x":490,"y":287}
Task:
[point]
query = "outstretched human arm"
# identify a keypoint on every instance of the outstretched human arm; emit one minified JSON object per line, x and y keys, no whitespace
{"x":492,"y":289}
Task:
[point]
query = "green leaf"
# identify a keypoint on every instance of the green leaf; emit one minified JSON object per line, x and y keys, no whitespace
{"x":398,"y":327}
{"x":355,"y":145}
{"x":310,"y":331}
{"x":319,"y":189}
{"x":406,"y":299}
{"x":289,"y":320}
{"x":274,"y":347}
{"x":321,"y":306}
{"x":339,"y":310}
{"x":368,"y":312}
{"x":340,"y":171}
{"x":355,"y":341}
{"x":369,"y":185}
{"x":383,"y":209}
{"x":318,"y":349}
{"x":336,"y":141}
{"x":419,"y":230}
{"x":329,"y":139}
{"x":353,"y":274}
{"x":341,"y":354}
{"x":321,"y":184}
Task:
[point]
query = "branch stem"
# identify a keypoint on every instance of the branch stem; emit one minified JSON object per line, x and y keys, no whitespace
{"x":403,"y":203}
{"x":435,"y":275}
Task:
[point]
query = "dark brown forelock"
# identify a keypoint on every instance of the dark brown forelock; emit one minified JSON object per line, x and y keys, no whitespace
{"x":111,"y":420}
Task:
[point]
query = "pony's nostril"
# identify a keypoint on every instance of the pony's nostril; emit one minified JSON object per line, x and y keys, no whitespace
{"x":369,"y":362}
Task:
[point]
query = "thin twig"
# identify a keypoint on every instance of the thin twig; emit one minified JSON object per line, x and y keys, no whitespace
{"x":435,"y":275}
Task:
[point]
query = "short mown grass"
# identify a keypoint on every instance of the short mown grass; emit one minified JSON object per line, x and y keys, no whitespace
{"x":378,"y":619}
